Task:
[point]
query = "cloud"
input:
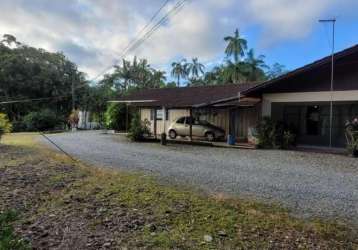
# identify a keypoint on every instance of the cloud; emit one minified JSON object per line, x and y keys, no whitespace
{"x":93,"y":33}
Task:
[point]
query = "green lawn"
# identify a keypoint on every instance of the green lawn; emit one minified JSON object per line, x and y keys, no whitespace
{"x":65,"y":204}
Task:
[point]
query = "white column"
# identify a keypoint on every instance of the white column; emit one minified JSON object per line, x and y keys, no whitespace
{"x":164,"y":121}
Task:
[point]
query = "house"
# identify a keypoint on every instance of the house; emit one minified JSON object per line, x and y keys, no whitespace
{"x":211,"y":103}
{"x":301,"y":99}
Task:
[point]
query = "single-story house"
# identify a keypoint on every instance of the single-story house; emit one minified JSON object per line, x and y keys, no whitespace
{"x":301,"y":98}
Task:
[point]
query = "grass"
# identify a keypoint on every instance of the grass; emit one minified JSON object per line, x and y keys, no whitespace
{"x":136,"y":211}
{"x":8,"y":239}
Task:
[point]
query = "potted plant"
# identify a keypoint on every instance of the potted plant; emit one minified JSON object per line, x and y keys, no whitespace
{"x":352,"y":136}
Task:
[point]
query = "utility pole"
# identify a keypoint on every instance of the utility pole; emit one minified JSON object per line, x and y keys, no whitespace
{"x":333,"y":22}
{"x":73,"y":89}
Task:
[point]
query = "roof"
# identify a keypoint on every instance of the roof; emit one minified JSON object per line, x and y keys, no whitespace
{"x":185,"y":96}
{"x":309,"y":67}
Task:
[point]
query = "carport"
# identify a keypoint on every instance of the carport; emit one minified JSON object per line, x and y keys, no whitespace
{"x":223,"y":106}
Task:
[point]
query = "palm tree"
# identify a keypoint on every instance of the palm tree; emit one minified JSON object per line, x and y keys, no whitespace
{"x":158,"y":78}
{"x":179,"y":70}
{"x":195,"y":68}
{"x":125,"y":73}
{"x":255,"y":66}
{"x":234,"y":72}
{"x":236,"y":46}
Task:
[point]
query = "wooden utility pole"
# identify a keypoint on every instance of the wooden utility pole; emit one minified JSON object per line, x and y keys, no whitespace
{"x":73,"y":89}
{"x":191,"y":124}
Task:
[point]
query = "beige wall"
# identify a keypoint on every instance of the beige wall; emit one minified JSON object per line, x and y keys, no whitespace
{"x":219,"y":118}
{"x":162,"y":126}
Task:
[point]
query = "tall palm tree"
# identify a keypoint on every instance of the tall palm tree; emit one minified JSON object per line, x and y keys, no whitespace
{"x":179,"y":70}
{"x":255,"y":65}
{"x":236,"y":46}
{"x":195,"y":68}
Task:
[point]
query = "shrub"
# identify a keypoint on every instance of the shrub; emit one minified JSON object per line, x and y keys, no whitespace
{"x":271,"y":134}
{"x":41,"y":121}
{"x":138,"y":128}
{"x":352,"y":136}
{"x":266,"y":133}
{"x":5,"y":125}
{"x":115,"y":116}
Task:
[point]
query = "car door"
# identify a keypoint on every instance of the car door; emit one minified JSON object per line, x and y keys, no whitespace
{"x":180,"y":126}
{"x":197,"y":129}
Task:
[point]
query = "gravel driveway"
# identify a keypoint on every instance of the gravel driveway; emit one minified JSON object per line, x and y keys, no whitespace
{"x":310,"y":184}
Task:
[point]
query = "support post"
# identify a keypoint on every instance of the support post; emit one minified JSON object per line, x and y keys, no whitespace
{"x":155,"y":122}
{"x":127,"y":117}
{"x":164,"y":120}
{"x":191,"y":124}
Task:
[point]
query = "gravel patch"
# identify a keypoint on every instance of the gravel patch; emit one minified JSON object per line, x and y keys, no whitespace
{"x":310,"y":184}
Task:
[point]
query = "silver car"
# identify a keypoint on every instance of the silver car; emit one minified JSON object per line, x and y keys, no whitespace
{"x":181,"y":127}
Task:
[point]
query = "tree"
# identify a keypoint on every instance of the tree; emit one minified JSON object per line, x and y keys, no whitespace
{"x":236,"y":46}
{"x":276,"y":70}
{"x":29,"y":73}
{"x":234,"y":73}
{"x":195,"y":68}
{"x":179,"y":70}
{"x":255,"y":66}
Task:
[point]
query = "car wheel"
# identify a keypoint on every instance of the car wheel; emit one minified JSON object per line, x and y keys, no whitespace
{"x":210,"y":136}
{"x":172,"y":134}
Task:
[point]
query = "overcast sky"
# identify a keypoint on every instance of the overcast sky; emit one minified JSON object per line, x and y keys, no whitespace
{"x":93,"y":33}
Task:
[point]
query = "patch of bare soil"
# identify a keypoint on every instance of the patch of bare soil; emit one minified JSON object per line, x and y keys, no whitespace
{"x":31,"y":184}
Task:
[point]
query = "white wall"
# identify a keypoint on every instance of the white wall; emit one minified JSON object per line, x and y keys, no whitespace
{"x":322,"y":96}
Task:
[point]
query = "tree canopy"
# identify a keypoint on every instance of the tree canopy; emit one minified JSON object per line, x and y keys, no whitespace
{"x":28,"y":73}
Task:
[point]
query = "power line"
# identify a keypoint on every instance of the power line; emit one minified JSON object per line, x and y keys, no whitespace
{"x":146,"y":26}
{"x":164,"y":19}
{"x":178,"y":6}
{"x":34,"y":99}
{"x":58,"y":147}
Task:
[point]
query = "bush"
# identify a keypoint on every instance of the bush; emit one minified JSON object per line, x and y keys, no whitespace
{"x":352,"y":136}
{"x":5,"y":125}
{"x":138,"y":128}
{"x":42,"y":120}
{"x":115,"y":116}
{"x":271,"y":134}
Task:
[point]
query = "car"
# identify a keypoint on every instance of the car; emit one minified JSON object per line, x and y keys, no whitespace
{"x":181,"y":127}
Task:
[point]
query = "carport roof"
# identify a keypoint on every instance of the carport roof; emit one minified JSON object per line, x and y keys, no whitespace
{"x":186,"y":96}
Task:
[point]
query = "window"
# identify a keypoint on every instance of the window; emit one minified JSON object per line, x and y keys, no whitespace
{"x":190,"y":120}
{"x":313,"y":120}
{"x":166,"y":114}
{"x":181,"y":120}
{"x":159,"y":113}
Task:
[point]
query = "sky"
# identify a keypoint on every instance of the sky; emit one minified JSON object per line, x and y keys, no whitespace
{"x":94,"y":33}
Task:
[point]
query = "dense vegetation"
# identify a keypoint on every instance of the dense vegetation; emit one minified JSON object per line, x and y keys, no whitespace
{"x":28,"y":73}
